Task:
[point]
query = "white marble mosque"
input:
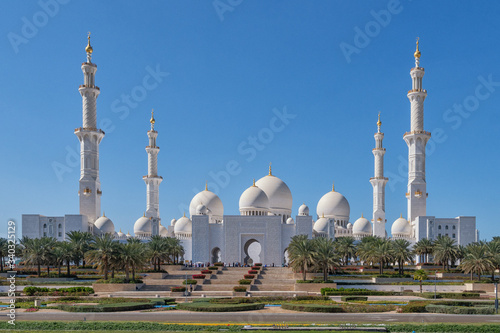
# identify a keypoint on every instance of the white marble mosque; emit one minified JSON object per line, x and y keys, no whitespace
{"x":262,"y":231}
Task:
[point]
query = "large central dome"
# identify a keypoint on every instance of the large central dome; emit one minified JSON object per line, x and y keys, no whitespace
{"x":280,"y":197}
{"x":210,"y":200}
{"x":333,"y":205}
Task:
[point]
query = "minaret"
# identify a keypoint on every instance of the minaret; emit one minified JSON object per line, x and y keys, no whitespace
{"x":378,"y":182}
{"x":152,"y":180}
{"x":416,"y":140}
{"x":90,"y":137}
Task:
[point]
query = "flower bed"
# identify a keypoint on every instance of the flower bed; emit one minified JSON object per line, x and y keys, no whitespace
{"x":219,"y":264}
{"x":206,"y":271}
{"x":213,"y":268}
{"x":256,"y":267}
{"x":258,"y":264}
{"x":189,"y":281}
{"x":199,"y":276}
{"x":252,"y":271}
{"x":248,"y":276}
{"x":240,"y":289}
{"x":107,"y":307}
{"x":178,"y":289}
{"x":245,"y":281}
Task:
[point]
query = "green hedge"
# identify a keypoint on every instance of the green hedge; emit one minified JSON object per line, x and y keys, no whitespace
{"x":106,"y":307}
{"x":30,"y":291}
{"x":436,"y":308}
{"x":245,"y":281}
{"x":312,"y":308}
{"x":190,"y":281}
{"x":430,"y":295}
{"x":415,"y":307}
{"x":353,"y":298}
{"x":354,"y":291}
{"x":240,"y":289}
{"x":214,"y":307}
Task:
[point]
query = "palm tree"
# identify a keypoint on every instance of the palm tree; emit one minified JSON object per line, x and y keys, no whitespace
{"x":102,"y":251}
{"x":383,"y":253}
{"x":81,"y":242}
{"x":130,"y":256}
{"x":324,"y":255}
{"x":366,"y":249}
{"x":301,"y":254}
{"x":423,"y":248}
{"x":157,"y":250}
{"x":38,"y":251}
{"x":66,"y":254}
{"x":445,"y":251}
{"x":346,"y":248}
{"x":4,"y":250}
{"x":402,"y":253}
{"x":493,"y":249}
{"x":477,"y":260}
{"x":420,"y":275}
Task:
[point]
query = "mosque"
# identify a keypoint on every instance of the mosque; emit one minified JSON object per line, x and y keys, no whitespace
{"x":262,"y":231}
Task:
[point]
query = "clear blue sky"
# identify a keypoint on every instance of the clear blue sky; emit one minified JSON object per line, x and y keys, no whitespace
{"x":228,"y":68}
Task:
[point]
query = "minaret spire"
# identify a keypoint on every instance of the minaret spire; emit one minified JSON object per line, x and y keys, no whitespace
{"x":378,"y":182}
{"x":416,"y":140}
{"x":90,"y":137}
{"x":152,"y":179}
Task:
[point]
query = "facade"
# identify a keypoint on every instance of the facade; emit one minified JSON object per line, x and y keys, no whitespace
{"x":265,"y":226}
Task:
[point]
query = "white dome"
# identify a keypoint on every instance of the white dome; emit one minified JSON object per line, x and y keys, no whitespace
{"x":105,"y":225}
{"x":210,"y":200}
{"x":128,"y":235}
{"x":333,"y":205}
{"x":362,"y":226}
{"x":201,"y":209}
{"x":321,"y":225}
{"x":163,"y":231}
{"x":277,"y":191}
{"x":349,"y":225}
{"x":183,"y":225}
{"x":142,"y":225}
{"x":401,"y":226}
{"x":120,"y":234}
{"x":289,"y":221}
{"x":254,"y":197}
{"x":172,"y":223}
{"x":303,"y":210}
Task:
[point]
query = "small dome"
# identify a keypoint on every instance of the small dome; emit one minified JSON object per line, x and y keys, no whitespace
{"x":280,"y":196}
{"x":210,"y":200}
{"x":183,"y":225}
{"x":142,"y":225}
{"x":201,"y":209}
{"x":105,"y":225}
{"x":333,"y":205}
{"x":163,"y":231}
{"x":128,"y":235}
{"x":254,"y":198}
{"x":362,"y":226}
{"x":321,"y":225}
{"x":290,"y":221}
{"x":349,"y":225}
{"x":172,"y":223}
{"x":303,"y":210}
{"x":120,"y":234}
{"x":401,"y":226}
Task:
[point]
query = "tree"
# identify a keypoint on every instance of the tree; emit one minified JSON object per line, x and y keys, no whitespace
{"x":102,"y":251}
{"x":130,"y":256}
{"x":66,"y":254}
{"x":384,"y":253}
{"x":402,"y":253}
{"x":477,"y":260}
{"x":346,"y":248}
{"x":301,"y":254}
{"x":420,"y":275}
{"x":81,"y":242}
{"x":157,"y":251}
{"x":4,"y":250}
{"x":38,"y":251}
{"x":493,"y":249}
{"x":423,"y":248}
{"x":366,"y":249}
{"x":324,"y":255}
{"x":445,"y":251}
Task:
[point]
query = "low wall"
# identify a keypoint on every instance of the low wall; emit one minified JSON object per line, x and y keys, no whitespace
{"x":313,"y":287}
{"x":390,"y":280}
{"x":487,"y":287}
{"x":111,"y":287}
{"x":155,"y":276}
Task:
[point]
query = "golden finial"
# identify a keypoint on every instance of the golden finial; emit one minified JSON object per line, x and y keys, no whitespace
{"x":89,"y":49}
{"x":152,"y":120}
{"x":362,"y":215}
{"x":401,"y":215}
{"x":184,"y":215}
{"x":333,"y":187}
{"x":103,"y":214}
{"x":206,"y":185}
{"x":323,"y":215}
{"x":417,"y":52}
{"x":270,"y":171}
{"x":144,"y":214}
{"x":254,"y":183}
{"x":379,"y":123}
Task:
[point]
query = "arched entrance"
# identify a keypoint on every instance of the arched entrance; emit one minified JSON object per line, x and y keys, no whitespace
{"x":285,"y":257}
{"x":252,"y":251}
{"x":216,"y":255}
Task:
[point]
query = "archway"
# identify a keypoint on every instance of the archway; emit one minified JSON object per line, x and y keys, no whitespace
{"x":252,"y":251}
{"x":216,"y":255}
{"x":285,"y":257}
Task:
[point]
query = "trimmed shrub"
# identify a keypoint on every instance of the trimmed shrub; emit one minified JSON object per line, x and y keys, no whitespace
{"x":245,"y":281}
{"x":106,"y":307}
{"x":178,"y":289}
{"x":72,"y":291}
{"x":312,"y":308}
{"x":248,"y":276}
{"x":214,"y":307}
{"x":415,"y":307}
{"x":206,"y":271}
{"x":240,"y":289}
{"x":219,"y":264}
{"x":258,"y":264}
{"x":213,"y":268}
{"x":437,"y":308}
{"x":256,"y":267}
{"x":199,"y":276}
{"x":464,"y":295}
{"x":252,"y":271}
{"x":353,"y":298}
{"x":354,"y":291}
{"x":189,"y":281}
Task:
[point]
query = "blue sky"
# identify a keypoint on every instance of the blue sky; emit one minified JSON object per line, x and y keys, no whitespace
{"x":225,"y":69}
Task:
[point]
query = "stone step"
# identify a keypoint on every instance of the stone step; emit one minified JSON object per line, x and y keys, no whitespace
{"x":231,"y":281}
{"x":215,"y":287}
{"x":272,"y":287}
{"x":274,"y":282}
{"x":277,"y":293}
